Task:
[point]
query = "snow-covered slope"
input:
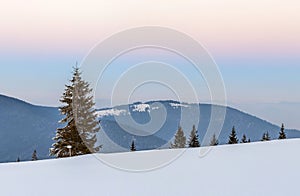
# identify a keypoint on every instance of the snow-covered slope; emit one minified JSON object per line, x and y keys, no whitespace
{"x":264,"y":168}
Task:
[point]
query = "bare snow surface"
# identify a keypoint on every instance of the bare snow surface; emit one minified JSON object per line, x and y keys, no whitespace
{"x":264,"y":168}
{"x":136,"y":108}
{"x":110,"y":112}
{"x":117,"y":112}
{"x":176,"y":105}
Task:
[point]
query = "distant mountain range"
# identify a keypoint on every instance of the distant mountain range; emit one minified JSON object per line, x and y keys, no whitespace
{"x":123,"y":131}
{"x":25,"y":127}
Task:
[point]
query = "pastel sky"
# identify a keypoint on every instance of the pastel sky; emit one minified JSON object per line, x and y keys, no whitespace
{"x":256,"y":45}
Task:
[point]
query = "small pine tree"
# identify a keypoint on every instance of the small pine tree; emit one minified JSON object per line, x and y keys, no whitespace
{"x":263,"y":137}
{"x":266,"y":137}
{"x":232,"y":137}
{"x":180,"y":139}
{"x":34,"y":156}
{"x":193,"y":140}
{"x":282,"y":133}
{"x":132,"y":147}
{"x":244,"y":139}
{"x":214,"y":141}
{"x":18,"y":159}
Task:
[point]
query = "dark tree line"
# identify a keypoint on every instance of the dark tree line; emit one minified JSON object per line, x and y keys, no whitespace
{"x":33,"y":157}
{"x":180,"y":139}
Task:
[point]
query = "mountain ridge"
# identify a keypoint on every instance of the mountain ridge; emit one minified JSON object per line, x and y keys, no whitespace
{"x":249,"y":124}
{"x":25,"y":127}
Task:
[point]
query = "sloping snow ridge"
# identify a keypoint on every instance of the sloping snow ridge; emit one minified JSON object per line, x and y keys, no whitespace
{"x":110,"y":112}
{"x":255,"y":169}
{"x":177,"y":105}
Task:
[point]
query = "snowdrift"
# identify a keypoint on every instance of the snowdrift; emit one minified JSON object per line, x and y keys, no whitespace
{"x":262,"y":168}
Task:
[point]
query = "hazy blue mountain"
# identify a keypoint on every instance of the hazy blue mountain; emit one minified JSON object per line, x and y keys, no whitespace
{"x":25,"y":127}
{"x":141,"y":113}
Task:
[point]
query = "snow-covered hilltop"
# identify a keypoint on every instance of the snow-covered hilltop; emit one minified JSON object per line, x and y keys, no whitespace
{"x":262,"y":168}
{"x":118,"y":132}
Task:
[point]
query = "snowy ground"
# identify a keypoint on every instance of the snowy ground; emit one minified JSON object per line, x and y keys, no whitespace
{"x":265,"y":168}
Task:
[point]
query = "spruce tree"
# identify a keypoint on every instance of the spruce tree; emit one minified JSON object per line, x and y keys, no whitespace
{"x":214,"y":141}
{"x":34,"y":156}
{"x":244,"y":139}
{"x":132,"y":147}
{"x":193,"y":140}
{"x":180,"y":139}
{"x":266,"y":137}
{"x":80,"y":120}
{"x":282,"y":133}
{"x":18,"y":159}
{"x":232,"y":137}
{"x":85,"y":114}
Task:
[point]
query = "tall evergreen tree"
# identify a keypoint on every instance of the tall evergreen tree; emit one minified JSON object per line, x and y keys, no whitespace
{"x":244,"y":139}
{"x":85,"y":113}
{"x":282,"y":134}
{"x":180,"y":139}
{"x":193,"y":140}
{"x":80,"y":120}
{"x":232,"y":137}
{"x":132,"y":147}
{"x":34,"y":156}
{"x":214,"y":141}
{"x":266,"y":137}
